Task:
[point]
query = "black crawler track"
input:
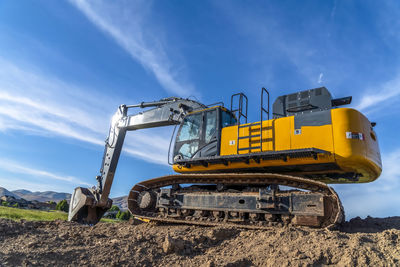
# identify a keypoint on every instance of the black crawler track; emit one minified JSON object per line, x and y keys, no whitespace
{"x":334,"y":214}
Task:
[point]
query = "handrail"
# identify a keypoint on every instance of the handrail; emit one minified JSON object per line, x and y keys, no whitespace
{"x":262,"y":112}
{"x":240,"y":113}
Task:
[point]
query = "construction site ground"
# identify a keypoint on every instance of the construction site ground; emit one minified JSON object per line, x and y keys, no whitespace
{"x":360,"y":242}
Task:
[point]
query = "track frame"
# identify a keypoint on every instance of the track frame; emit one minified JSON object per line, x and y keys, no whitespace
{"x":333,"y":210}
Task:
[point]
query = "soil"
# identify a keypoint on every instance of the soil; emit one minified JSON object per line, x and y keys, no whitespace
{"x":359,"y":242}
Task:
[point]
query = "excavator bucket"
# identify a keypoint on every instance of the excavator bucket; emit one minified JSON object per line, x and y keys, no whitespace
{"x":83,"y":207}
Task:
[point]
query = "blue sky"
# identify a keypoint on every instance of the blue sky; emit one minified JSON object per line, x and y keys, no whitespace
{"x":65,"y":66}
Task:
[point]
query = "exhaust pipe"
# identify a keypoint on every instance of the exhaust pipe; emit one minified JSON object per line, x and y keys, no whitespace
{"x":84,"y":207}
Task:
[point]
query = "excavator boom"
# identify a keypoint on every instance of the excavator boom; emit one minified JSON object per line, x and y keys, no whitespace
{"x":89,"y":205}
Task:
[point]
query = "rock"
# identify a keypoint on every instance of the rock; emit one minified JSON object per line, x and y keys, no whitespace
{"x":239,"y":263}
{"x":208,"y":264}
{"x":173,"y":245}
{"x":63,"y":235}
{"x":221,"y":233}
{"x":31,"y":244}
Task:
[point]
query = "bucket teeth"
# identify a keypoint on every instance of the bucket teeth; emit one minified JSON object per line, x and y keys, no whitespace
{"x":84,"y":208}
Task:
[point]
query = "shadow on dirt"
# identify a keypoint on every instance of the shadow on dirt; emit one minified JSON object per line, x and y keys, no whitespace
{"x":371,"y":225}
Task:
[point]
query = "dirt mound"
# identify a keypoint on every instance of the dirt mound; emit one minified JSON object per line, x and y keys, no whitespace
{"x":360,"y":242}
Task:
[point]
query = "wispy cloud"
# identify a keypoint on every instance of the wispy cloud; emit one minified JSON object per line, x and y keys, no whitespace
{"x":333,"y":11}
{"x":43,"y":105}
{"x":374,"y":97}
{"x":320,"y":77}
{"x":14,"y":167}
{"x":390,"y":177}
{"x":288,"y":47}
{"x":15,"y":183}
{"x":124,"y":23}
{"x":378,"y":198}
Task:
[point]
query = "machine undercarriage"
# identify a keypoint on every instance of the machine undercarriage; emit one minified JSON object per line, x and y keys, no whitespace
{"x":247,"y":200}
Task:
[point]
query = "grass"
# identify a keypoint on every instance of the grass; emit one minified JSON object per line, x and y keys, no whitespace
{"x":17,"y":214}
{"x":108,"y":220}
{"x":31,"y":215}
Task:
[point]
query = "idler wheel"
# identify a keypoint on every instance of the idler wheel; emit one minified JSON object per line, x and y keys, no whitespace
{"x":147,"y":200}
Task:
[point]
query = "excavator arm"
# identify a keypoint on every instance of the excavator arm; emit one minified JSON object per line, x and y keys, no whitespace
{"x":88,"y":205}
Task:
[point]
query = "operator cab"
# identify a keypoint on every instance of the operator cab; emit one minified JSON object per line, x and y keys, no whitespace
{"x":199,"y":134}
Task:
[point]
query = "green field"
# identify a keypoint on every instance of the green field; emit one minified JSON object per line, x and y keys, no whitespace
{"x":31,"y":215}
{"x":36,"y":215}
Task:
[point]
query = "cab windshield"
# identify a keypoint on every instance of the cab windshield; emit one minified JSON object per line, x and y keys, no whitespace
{"x":191,"y":128}
{"x":199,"y":133}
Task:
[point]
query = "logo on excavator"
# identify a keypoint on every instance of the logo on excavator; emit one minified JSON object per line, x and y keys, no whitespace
{"x":352,"y":135}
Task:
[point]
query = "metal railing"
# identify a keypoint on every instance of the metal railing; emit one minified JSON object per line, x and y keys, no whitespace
{"x":242,"y":113}
{"x":263,"y":110}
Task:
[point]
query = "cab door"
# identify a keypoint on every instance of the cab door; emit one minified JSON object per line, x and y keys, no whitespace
{"x":198,"y":135}
{"x":188,"y":137}
{"x":210,"y":139}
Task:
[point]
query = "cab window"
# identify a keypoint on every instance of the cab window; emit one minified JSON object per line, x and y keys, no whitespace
{"x":187,"y":150}
{"x":211,"y":125}
{"x":227,"y":119}
{"x":191,"y":128}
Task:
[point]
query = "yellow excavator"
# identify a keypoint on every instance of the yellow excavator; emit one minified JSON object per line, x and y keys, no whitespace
{"x":251,"y":175}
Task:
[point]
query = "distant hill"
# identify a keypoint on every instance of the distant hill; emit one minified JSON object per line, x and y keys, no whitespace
{"x":5,"y":192}
{"x":22,"y":191}
{"x":121,"y":202}
{"x":41,"y":196}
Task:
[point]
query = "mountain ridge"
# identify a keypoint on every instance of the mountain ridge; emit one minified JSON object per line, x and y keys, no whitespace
{"x":5,"y":192}
{"x":45,"y":196}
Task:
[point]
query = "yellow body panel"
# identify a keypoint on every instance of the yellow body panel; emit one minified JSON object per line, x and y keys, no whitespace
{"x":347,"y":155}
{"x":353,"y":154}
